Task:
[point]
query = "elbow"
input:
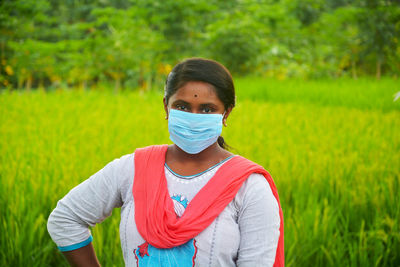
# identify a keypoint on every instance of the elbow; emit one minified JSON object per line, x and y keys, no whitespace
{"x":51,"y":225}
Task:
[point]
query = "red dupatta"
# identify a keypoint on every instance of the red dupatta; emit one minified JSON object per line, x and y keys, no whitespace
{"x":155,"y":217}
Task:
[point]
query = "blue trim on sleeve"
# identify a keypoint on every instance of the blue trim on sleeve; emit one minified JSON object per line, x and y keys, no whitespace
{"x":76,"y":246}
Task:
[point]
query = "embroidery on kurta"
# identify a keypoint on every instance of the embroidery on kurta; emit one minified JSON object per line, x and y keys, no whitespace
{"x":180,"y":256}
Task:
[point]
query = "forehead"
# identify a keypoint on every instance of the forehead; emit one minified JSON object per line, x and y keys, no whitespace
{"x":196,"y":89}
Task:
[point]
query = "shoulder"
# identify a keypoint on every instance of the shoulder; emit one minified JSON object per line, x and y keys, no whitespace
{"x":256,"y":183}
{"x":119,"y":166}
{"x":120,"y":173}
{"x":151,"y":150}
{"x":256,"y":189}
{"x":120,"y":170}
{"x":122,"y":164}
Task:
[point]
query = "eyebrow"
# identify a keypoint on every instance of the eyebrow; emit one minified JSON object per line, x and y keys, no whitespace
{"x":180,"y":101}
{"x":208,"y":104}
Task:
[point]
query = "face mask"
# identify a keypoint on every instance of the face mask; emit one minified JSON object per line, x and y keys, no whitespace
{"x":194,"y":132}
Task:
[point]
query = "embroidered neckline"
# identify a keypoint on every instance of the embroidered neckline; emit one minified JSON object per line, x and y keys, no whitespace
{"x":200,"y":173}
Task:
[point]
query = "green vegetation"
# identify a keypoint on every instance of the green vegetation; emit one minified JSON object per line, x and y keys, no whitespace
{"x":364,"y":93}
{"x":131,"y":44}
{"x":331,"y":146}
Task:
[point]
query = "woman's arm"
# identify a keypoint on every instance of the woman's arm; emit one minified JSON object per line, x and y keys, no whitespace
{"x":84,"y":206}
{"x":82,"y":257}
{"x":259,"y":223}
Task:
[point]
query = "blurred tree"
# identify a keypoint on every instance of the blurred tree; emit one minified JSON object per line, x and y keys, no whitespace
{"x":309,"y":11}
{"x":126,"y":43}
{"x":378,"y":21}
{"x":339,"y":33}
{"x":33,"y":59}
{"x":280,"y":39}
{"x":133,"y":43}
{"x":181,"y":22}
{"x":232,"y":41}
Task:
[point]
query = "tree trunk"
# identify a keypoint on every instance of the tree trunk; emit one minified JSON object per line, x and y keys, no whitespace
{"x":117,"y":84}
{"x":2,"y":51}
{"x":20,"y":82}
{"x":28,"y":84}
{"x":83,"y":85}
{"x":378,"y":68}
{"x":141,"y":80}
{"x":354,"y":69}
{"x":149,"y":82}
{"x":41,"y":86}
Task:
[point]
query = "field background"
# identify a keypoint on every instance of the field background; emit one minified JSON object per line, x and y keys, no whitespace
{"x":80,"y":85}
{"x":332,"y":146}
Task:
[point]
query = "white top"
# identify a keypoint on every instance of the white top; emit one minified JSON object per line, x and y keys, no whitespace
{"x":246,"y":233}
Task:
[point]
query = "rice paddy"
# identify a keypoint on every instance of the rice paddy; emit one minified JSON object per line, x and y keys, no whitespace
{"x":332,"y":146}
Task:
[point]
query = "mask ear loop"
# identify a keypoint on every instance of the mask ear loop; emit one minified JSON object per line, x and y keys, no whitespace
{"x":224,"y":119}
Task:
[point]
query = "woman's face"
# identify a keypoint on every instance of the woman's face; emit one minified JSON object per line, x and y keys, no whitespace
{"x":196,"y":97}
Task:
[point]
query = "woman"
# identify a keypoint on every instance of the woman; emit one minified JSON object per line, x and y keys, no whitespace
{"x":192,"y":203}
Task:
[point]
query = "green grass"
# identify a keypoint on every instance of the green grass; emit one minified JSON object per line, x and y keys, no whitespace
{"x":335,"y":159}
{"x":364,"y":93}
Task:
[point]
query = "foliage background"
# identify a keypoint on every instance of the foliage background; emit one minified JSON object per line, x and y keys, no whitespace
{"x":315,"y":83}
{"x":130,"y":44}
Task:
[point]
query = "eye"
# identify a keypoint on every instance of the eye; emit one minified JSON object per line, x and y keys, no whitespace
{"x":208,"y":110}
{"x":181,"y":107}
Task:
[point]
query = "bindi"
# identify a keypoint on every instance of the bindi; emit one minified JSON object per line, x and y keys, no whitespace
{"x":195,"y":95}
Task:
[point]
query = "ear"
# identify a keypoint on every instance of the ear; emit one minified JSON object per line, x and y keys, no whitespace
{"x":165,"y":108}
{"x":227,"y":112}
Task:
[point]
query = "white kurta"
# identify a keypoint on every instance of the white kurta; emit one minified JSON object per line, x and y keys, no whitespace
{"x":246,"y":233}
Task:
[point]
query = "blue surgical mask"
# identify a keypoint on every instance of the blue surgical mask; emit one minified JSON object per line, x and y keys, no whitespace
{"x":193,"y":132}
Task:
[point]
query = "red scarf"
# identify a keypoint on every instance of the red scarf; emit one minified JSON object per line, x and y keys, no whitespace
{"x":155,"y":217}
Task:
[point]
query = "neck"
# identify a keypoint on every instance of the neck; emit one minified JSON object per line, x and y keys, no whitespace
{"x":212,"y":152}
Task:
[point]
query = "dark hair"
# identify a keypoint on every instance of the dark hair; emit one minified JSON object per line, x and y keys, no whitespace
{"x":204,"y":70}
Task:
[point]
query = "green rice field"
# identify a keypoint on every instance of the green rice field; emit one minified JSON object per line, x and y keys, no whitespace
{"x":332,"y":146}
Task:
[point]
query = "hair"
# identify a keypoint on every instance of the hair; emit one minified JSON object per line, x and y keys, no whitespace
{"x":203,"y":70}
